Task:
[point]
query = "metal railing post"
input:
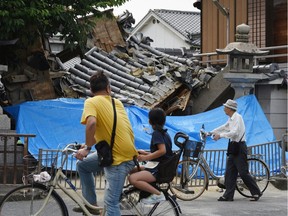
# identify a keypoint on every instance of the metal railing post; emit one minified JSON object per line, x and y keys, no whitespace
{"x":283,"y":150}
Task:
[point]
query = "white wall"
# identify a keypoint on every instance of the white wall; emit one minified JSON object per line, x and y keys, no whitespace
{"x":273,"y":101}
{"x":162,"y":36}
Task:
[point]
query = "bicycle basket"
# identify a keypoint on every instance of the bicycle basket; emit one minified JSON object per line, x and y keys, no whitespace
{"x":35,"y":164}
{"x":30,"y":164}
{"x":192,"y":148}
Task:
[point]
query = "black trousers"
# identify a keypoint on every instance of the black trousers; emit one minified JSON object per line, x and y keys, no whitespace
{"x":238,"y":164}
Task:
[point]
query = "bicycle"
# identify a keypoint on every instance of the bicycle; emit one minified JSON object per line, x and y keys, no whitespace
{"x":130,"y":200}
{"x":194,"y":172}
{"x":42,"y":198}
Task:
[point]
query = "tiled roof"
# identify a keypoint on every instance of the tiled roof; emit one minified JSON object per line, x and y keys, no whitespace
{"x":181,"y":21}
{"x":147,"y":77}
{"x":139,"y":73}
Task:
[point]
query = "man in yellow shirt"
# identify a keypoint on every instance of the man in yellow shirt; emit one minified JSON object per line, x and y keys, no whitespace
{"x":98,"y":117}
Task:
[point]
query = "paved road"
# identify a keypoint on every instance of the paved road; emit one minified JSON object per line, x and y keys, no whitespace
{"x":272,"y":203}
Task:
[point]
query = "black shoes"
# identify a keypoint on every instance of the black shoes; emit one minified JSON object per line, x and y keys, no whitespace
{"x":224,"y":199}
{"x":92,"y":211}
{"x":255,"y":197}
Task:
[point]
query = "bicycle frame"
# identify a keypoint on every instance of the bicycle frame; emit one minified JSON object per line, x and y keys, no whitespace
{"x":200,"y":160}
{"x":203,"y":161}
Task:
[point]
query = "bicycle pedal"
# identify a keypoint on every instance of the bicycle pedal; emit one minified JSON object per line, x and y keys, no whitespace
{"x":184,"y":190}
{"x":189,"y":192}
{"x":220,"y":190}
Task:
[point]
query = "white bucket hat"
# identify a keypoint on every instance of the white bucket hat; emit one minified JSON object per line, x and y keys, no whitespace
{"x":231,"y":104}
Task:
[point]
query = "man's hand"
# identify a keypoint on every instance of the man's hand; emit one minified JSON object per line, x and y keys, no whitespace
{"x":140,"y":151}
{"x":141,"y":157}
{"x":82,"y":153}
{"x":208,"y":133}
{"x":216,"y":137}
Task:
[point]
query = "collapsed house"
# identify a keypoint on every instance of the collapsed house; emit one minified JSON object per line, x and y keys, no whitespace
{"x":140,"y":74}
{"x":146,"y":77}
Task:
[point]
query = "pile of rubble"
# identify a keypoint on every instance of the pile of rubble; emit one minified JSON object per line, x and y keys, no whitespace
{"x":140,"y":75}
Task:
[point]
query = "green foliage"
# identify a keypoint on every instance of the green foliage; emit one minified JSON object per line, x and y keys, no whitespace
{"x":26,"y":18}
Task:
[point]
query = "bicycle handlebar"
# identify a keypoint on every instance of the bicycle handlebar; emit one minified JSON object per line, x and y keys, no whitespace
{"x":203,"y":134}
{"x":71,"y":148}
{"x":181,"y":138}
{"x":136,"y":163}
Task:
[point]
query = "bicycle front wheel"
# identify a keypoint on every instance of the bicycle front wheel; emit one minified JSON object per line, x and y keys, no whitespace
{"x":130,"y":204}
{"x":30,"y":199}
{"x":190,"y":181}
{"x":260,"y":173}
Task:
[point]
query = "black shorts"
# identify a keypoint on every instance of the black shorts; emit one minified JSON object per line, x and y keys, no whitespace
{"x":153,"y":171}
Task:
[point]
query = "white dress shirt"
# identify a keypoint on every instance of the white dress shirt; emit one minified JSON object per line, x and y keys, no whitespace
{"x":233,"y":129}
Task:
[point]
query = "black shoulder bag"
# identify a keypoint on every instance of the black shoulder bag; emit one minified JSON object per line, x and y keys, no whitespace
{"x":104,"y":150}
{"x":234,"y":147}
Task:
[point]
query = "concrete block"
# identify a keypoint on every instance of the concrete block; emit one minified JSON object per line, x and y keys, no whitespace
{"x":278,"y":132}
{"x":278,"y":106}
{"x":278,"y":120}
{"x":7,"y":131}
{"x":10,"y":174}
{"x":208,"y":96}
{"x":5,"y":122}
{"x":10,"y":142}
{"x":265,"y":104}
{"x":280,"y":182}
{"x":263,"y":92}
{"x":10,"y":160}
{"x":11,"y":157}
{"x":279,"y":93}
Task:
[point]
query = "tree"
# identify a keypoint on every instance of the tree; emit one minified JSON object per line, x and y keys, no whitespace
{"x":29,"y":19}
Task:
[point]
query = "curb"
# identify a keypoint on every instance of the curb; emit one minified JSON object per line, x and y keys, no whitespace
{"x":279,"y":182}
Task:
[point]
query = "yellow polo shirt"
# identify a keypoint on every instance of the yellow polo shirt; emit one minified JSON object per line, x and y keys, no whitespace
{"x":101,"y":107}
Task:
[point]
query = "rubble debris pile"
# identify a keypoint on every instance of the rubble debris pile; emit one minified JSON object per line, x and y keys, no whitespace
{"x":142,"y":75}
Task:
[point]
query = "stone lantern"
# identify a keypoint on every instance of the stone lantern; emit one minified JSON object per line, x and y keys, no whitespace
{"x":240,"y":62}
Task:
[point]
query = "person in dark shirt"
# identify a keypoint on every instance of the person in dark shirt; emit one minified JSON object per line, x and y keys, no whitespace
{"x":160,"y":150}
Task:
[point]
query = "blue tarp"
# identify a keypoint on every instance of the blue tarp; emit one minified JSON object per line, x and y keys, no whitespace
{"x":57,"y":123}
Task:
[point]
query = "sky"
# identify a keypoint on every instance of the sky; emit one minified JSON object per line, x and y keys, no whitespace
{"x":139,"y":8}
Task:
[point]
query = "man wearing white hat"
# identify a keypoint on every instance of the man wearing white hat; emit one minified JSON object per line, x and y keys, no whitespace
{"x":234,"y":130}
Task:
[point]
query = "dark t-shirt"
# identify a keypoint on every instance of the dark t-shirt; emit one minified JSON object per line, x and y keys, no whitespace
{"x":160,"y":137}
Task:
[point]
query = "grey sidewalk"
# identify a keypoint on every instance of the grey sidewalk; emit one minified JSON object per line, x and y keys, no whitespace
{"x":273,"y":202}
{"x":4,"y":189}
